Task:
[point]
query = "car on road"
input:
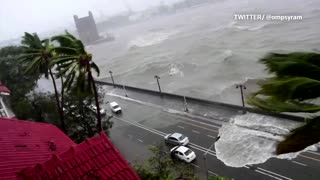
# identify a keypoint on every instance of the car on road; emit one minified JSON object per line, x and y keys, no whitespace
{"x":115,"y":107}
{"x":183,"y":153}
{"x":176,"y":139}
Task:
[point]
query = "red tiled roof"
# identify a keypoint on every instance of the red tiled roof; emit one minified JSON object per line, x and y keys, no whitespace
{"x":25,"y":143}
{"x":95,"y":158}
{"x":4,"y":89}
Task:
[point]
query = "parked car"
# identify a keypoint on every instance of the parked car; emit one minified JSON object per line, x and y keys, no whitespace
{"x":115,"y":107}
{"x":183,"y":153}
{"x":94,"y":109}
{"x":176,"y":139}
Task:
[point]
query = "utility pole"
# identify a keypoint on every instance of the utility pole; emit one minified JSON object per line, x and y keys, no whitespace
{"x":157,"y":78}
{"x":242,"y":87}
{"x":112,"y":79}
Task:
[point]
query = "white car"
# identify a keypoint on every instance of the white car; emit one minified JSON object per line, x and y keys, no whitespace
{"x":94,"y":109}
{"x":115,"y":107}
{"x":176,"y":139}
{"x":183,"y":153}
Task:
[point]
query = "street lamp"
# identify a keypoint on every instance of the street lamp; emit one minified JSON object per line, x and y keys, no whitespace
{"x":185,"y":104}
{"x":205,"y":160}
{"x":125,"y":91}
{"x":157,"y":78}
{"x":242,"y":87}
{"x":112,"y":78}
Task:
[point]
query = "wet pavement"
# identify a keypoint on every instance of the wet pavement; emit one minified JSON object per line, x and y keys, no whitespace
{"x":144,"y":122}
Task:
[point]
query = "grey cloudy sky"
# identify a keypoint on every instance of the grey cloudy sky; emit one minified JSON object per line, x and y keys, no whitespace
{"x":18,"y":16}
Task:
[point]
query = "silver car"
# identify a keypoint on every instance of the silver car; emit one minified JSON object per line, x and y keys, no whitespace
{"x":176,"y":139}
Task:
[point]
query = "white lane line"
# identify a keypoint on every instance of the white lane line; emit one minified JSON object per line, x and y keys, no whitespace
{"x":140,"y":140}
{"x":299,"y":163}
{"x":195,"y":131}
{"x":211,"y":136}
{"x":181,"y":127}
{"x":195,"y":165}
{"x":212,"y":173}
{"x":268,"y":175}
{"x":200,"y":148}
{"x":313,"y":152}
{"x":168,"y":110}
{"x":274,"y":173}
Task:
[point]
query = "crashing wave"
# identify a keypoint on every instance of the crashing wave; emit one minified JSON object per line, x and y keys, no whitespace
{"x":150,"y":39}
{"x":175,"y":70}
{"x":252,"y":139}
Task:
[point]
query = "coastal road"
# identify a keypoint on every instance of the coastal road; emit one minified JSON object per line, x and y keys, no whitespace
{"x":143,"y":124}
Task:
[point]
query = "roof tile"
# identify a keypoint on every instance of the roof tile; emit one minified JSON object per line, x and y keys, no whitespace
{"x":94,"y":158}
{"x":25,"y":143}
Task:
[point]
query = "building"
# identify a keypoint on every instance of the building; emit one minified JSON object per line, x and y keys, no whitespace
{"x":34,"y":151}
{"x":87,"y":28}
{"x":4,"y":92}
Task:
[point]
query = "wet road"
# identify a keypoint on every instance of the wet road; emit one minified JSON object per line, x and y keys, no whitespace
{"x":145,"y":123}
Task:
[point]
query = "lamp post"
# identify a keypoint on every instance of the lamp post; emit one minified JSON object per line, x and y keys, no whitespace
{"x":125,"y":91}
{"x":112,"y":78}
{"x":185,"y":104}
{"x":157,"y":78}
{"x":205,"y":160}
{"x":242,"y":87}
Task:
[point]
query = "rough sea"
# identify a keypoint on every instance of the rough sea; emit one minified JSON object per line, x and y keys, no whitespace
{"x":205,"y":52}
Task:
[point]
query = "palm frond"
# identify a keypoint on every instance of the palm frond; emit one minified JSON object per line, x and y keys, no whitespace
{"x":300,"y":88}
{"x":34,"y":66}
{"x":275,"y":105}
{"x":95,"y":68}
{"x":301,"y":137}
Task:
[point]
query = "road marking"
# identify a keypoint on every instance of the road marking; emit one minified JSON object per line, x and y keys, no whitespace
{"x":195,"y":165}
{"x":200,"y":148}
{"x":268,"y":175}
{"x":274,"y":173}
{"x":299,"y":163}
{"x":196,"y":131}
{"x":313,"y":152}
{"x":140,"y":140}
{"x":212,"y":173}
{"x":199,"y":126}
{"x":181,"y":127}
{"x":309,"y":157}
{"x":211,"y":136}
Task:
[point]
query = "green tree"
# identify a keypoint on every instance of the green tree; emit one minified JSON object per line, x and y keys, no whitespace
{"x":295,"y":82}
{"x":81,"y":119}
{"x":38,"y":54}
{"x":77,"y":65}
{"x":218,"y":178}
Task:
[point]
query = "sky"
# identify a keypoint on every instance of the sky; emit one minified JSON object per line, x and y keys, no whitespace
{"x":19,"y":16}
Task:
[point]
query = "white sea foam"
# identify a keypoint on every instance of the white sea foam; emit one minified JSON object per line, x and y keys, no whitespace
{"x":252,"y":139}
{"x":151,"y":38}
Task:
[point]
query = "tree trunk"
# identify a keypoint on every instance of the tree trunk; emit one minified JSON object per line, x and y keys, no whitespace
{"x":99,"y":127}
{"x":63,"y":128}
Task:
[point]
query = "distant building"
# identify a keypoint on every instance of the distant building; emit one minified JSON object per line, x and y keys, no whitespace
{"x":87,"y":28}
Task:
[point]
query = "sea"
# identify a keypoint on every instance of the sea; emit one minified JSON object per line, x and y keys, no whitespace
{"x":204,"y":51}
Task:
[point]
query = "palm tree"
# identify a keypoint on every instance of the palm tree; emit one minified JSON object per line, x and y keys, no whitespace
{"x":293,"y":87}
{"x":38,"y":54}
{"x":77,"y":65}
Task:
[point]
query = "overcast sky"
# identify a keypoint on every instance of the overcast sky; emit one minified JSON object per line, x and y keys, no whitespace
{"x":18,"y":16}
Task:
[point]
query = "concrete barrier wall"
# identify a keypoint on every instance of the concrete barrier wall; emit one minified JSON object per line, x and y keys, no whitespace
{"x":206,"y":102}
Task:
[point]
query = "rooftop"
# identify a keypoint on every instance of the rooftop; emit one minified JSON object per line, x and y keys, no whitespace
{"x":4,"y":90}
{"x":95,"y":158}
{"x":25,"y":143}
